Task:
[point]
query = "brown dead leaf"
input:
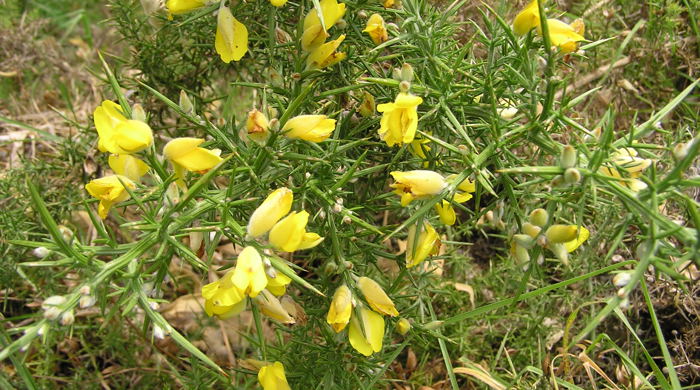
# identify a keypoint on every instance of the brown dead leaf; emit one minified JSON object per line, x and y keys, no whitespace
{"x":479,"y":373}
{"x":467,"y":289}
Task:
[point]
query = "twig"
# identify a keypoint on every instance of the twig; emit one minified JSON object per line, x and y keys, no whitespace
{"x":598,"y":73}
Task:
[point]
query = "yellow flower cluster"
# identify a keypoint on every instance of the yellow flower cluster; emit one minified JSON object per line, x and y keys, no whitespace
{"x":562,"y":35}
{"x":366,"y":330}
{"x":559,"y":239}
{"x":627,"y":159}
{"x":287,"y":234}
{"x":313,"y":40}
{"x":122,"y":138}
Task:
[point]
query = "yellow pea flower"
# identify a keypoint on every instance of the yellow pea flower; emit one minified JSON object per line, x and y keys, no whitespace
{"x":326,"y":54}
{"x":257,"y":126}
{"x":313,"y":37}
{"x":465,"y":189}
{"x":562,"y":35}
{"x":222,"y":298}
{"x":388,"y":3}
{"x":428,"y":244}
{"x":278,"y":284}
{"x":418,"y":184}
{"x":376,"y":297}
{"x":376,"y":29}
{"x":399,"y":119}
{"x":117,"y":134}
{"x":558,"y":234}
{"x":278,"y":3}
{"x":271,"y":377}
{"x":366,"y":333}
{"x":314,"y":128}
{"x":176,"y":7}
{"x":185,"y":154}
{"x":447,"y":213}
{"x":581,"y":237}
{"x":231,"y":36}
{"x":272,"y":209}
{"x":627,"y":160}
{"x":271,"y":307}
{"x":290,"y":233}
{"x":332,"y":12}
{"x":249,"y":276}
{"x":109,"y":190}
{"x":367,"y":106}
{"x":128,"y":165}
{"x":341,"y":309}
{"x":527,"y":19}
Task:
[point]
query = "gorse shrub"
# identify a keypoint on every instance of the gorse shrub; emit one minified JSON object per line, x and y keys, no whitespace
{"x":352,"y":152}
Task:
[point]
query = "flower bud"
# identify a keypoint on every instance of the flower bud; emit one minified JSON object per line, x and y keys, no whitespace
{"x":396,"y":74}
{"x":330,"y":268}
{"x":557,"y":181}
{"x":341,"y":24}
{"x":403,"y":326}
{"x":531,"y":230}
{"x":376,"y":297}
{"x":86,"y":301}
{"x":406,"y":72}
{"x":257,"y":126}
{"x":557,"y":234}
{"x":521,"y":254}
{"x":40,"y":252}
{"x":367,"y":107}
{"x":433,"y":325}
{"x":85,"y":290}
{"x":362,"y":15}
{"x":625,"y":304}
{"x":568,"y":157}
{"x":65,"y":232}
{"x":138,"y":113}
{"x":524,"y":241}
{"x":622,"y":293}
{"x":271,"y":307}
{"x":539,"y":217}
{"x":560,"y":252}
{"x":282,"y":36}
{"x":158,"y":332}
{"x":572,"y":176}
{"x":680,"y":151}
{"x":404,"y":86}
{"x":67,"y":318}
{"x":622,"y":279}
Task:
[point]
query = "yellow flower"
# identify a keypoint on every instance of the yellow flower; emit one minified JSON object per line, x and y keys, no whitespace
{"x":109,"y":190}
{"x":222,"y":298}
{"x":231,"y":36}
{"x":581,"y":237}
{"x":185,"y":153}
{"x":332,"y":12}
{"x":128,"y":165}
{"x":271,"y":377}
{"x":419,"y":184}
{"x":278,"y":3}
{"x":313,"y":37}
{"x":562,"y":35}
{"x":341,"y":308}
{"x":183,"y":6}
{"x":249,"y":276}
{"x":278,"y":284}
{"x":428,"y":244}
{"x":389,"y":3}
{"x":272,"y":209}
{"x":366,"y":333}
{"x":314,"y":128}
{"x":117,"y":134}
{"x":326,"y":54}
{"x":376,"y":297}
{"x":257,"y":126}
{"x":290,"y":233}
{"x":527,"y":19}
{"x":626,"y":159}
{"x":445,"y":210}
{"x":399,"y":119}
{"x":376,"y":29}
{"x":271,"y":307}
